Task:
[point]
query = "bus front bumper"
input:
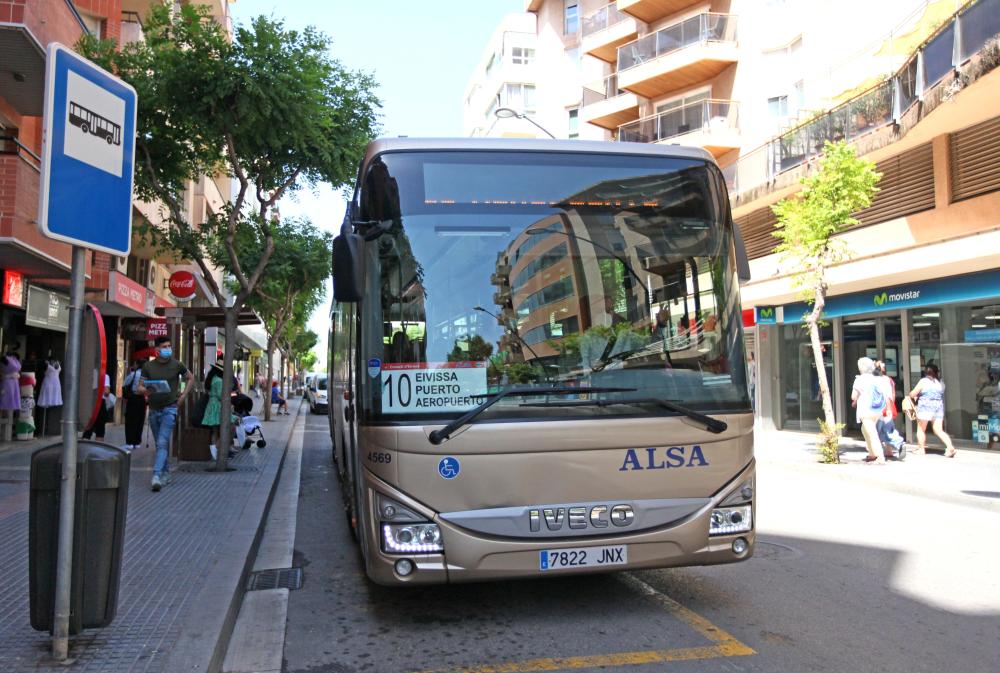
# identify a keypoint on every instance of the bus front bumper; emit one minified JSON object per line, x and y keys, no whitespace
{"x":473,"y":557}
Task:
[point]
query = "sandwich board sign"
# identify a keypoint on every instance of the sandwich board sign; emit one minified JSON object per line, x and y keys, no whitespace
{"x":88,"y":154}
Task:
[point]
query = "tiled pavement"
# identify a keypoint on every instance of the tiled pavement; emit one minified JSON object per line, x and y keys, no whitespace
{"x":174,"y":541}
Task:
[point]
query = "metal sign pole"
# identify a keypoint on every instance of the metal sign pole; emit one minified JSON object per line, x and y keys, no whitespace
{"x":67,"y":493}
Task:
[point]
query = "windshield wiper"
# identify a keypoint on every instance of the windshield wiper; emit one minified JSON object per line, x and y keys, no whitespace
{"x":713,"y":425}
{"x":445,"y":433}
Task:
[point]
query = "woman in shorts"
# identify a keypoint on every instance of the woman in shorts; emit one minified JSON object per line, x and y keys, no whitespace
{"x":929,"y":397}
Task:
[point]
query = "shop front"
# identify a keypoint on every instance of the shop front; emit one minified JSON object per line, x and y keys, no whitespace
{"x":951,"y":322}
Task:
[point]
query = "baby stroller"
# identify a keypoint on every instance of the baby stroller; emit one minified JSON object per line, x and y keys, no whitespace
{"x":248,"y":425}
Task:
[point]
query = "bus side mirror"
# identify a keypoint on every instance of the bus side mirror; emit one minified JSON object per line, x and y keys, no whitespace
{"x":348,"y":279}
{"x":742,"y":262}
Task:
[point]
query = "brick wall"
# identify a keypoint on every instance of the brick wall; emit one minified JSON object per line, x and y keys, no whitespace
{"x":109,"y":10}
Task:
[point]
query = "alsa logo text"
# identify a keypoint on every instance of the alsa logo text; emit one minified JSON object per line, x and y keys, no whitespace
{"x":662,"y":459}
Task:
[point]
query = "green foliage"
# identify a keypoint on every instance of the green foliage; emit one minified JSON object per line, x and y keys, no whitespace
{"x":476,"y":349}
{"x":828,"y":442}
{"x":308,"y":361}
{"x":809,"y":221}
{"x":271,"y":109}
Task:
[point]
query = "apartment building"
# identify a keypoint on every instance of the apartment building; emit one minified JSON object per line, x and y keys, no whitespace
{"x":533,"y":74}
{"x":761,"y":85}
{"x":127,"y":290}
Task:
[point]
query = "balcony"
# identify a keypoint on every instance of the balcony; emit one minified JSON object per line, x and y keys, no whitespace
{"x":131,"y":28}
{"x":710,"y":124}
{"x":607,"y":29}
{"x":607,"y":106}
{"x":654,"y":10}
{"x":679,"y":56}
{"x":22,"y":246}
{"x":25,"y":29}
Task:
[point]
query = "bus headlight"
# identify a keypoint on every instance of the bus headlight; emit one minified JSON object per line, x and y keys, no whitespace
{"x":411,"y":538}
{"x":729,"y":520}
{"x":740,"y":496}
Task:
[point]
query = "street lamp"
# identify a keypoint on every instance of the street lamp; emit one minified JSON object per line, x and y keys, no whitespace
{"x":506,"y":113}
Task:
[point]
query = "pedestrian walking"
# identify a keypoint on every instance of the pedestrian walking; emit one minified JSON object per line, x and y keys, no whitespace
{"x":929,"y":397}
{"x":886,"y":425}
{"x":160,"y":383}
{"x":869,"y":401}
{"x":752,"y":379}
{"x":213,"y":410}
{"x":135,"y":407}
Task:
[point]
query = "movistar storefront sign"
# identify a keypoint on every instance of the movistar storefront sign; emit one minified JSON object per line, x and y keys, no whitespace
{"x":971,"y":287}
{"x":766,"y":315}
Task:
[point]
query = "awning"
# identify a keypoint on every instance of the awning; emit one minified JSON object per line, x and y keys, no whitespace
{"x":210,"y":315}
{"x":23,"y":83}
{"x":253,"y":337}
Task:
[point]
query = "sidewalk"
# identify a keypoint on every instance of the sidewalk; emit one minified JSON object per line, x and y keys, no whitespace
{"x":972,"y":478}
{"x":186,"y":549}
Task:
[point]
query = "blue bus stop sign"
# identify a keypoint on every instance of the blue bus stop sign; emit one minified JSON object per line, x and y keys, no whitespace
{"x":88,"y":154}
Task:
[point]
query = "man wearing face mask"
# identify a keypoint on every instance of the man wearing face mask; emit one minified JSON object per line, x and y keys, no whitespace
{"x":164,"y":397}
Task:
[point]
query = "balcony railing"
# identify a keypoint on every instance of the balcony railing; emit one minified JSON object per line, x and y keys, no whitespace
{"x":605,"y":17}
{"x":703,"y":115}
{"x":965,"y":35}
{"x":12,"y":146}
{"x":696,"y":30}
{"x":608,"y":88}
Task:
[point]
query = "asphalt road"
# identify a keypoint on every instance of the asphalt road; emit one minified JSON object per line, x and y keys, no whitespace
{"x":847,"y":577}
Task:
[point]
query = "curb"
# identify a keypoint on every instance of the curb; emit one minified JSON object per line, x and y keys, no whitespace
{"x":202,"y":644}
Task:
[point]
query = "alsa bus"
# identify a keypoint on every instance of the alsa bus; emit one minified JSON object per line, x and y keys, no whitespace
{"x":536,"y":361}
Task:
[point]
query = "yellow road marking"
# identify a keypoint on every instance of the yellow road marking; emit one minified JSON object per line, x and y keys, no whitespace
{"x":725,"y":645}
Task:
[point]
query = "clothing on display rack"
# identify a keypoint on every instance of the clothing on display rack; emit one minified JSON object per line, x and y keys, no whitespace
{"x":50,"y":394}
{"x":10,"y":389}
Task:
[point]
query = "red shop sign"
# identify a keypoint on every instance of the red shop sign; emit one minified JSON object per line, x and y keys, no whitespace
{"x":13,"y":288}
{"x":156,"y":327}
{"x":182,"y":285}
{"x":128,"y":293}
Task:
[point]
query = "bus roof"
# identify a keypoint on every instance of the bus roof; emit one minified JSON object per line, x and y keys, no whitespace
{"x":382,"y":145}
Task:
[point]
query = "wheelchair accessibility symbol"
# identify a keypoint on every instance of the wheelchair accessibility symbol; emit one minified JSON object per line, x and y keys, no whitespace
{"x":449,"y":467}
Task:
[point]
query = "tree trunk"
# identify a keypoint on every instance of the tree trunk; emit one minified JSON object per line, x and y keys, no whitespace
{"x":225,"y":422}
{"x":812,"y":320}
{"x":270,"y":378}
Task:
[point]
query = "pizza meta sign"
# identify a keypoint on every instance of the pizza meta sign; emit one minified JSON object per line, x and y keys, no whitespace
{"x":182,"y":285}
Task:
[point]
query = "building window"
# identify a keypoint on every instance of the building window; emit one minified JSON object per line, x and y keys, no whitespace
{"x":574,"y":123}
{"x":520,"y":97}
{"x":799,"y":95}
{"x":778,"y":106}
{"x":571,"y":17}
{"x":522,"y":55}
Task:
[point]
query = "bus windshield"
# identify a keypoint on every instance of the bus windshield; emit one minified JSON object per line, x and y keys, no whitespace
{"x":490,"y":270}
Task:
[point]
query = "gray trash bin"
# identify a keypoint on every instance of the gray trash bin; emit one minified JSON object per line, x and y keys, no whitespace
{"x":102,"y":474}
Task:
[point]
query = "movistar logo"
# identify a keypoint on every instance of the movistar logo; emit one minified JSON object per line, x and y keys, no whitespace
{"x":885,"y":297}
{"x":767,"y":312}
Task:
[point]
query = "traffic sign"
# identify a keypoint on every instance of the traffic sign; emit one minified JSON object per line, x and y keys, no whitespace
{"x":88,"y":154}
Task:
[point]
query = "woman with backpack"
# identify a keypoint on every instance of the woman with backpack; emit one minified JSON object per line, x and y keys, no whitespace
{"x":869,"y":400}
{"x":929,"y":396}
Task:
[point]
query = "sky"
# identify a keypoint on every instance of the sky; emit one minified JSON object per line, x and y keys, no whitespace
{"x":421,"y":55}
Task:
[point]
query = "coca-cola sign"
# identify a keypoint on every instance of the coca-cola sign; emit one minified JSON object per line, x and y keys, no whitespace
{"x":182,"y":285}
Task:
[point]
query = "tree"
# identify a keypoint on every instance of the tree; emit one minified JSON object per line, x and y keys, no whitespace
{"x":808,"y":224}
{"x":294,"y":285}
{"x":271,"y":109}
{"x":309,"y":361}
